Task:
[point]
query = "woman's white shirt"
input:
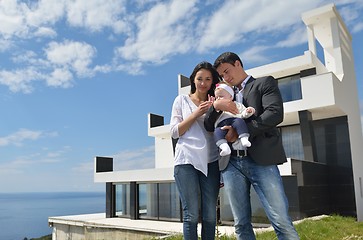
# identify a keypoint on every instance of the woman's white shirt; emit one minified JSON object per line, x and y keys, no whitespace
{"x":196,"y":146}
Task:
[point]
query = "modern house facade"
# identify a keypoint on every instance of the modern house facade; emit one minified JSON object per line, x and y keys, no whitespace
{"x":322,"y":136}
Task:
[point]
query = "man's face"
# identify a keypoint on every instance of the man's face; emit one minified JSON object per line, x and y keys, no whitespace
{"x":231,"y":74}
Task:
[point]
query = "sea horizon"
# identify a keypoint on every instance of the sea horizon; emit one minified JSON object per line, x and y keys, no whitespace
{"x":25,"y":214}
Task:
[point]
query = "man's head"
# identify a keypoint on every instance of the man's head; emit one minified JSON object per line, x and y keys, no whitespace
{"x":230,"y":68}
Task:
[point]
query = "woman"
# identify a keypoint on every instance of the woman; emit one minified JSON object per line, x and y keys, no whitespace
{"x":196,"y":170}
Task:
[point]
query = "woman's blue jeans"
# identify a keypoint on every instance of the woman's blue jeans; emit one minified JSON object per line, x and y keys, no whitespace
{"x":194,"y":188}
{"x":238,"y":177}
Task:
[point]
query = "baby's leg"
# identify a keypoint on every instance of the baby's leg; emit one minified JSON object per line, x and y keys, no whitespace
{"x":221,"y":142}
{"x":225,"y":149}
{"x":244,"y":141}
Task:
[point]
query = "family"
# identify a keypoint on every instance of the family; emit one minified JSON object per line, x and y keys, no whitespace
{"x":226,"y":131}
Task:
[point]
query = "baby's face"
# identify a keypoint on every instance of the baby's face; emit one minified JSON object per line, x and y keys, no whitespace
{"x":222,"y":94}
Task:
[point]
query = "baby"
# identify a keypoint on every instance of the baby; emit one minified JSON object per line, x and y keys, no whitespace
{"x":223,"y":91}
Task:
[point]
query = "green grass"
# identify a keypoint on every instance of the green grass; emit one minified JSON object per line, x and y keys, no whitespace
{"x":47,"y":237}
{"x":328,"y":228}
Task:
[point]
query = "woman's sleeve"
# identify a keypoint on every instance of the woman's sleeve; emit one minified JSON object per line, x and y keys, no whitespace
{"x":176,"y":117}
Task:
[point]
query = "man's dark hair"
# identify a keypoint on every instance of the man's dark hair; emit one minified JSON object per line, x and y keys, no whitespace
{"x":227,"y":57}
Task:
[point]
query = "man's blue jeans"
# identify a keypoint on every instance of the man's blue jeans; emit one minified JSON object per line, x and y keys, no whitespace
{"x":238,"y":177}
{"x":190,"y":183}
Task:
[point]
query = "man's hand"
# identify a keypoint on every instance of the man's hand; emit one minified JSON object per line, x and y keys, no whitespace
{"x":225,"y":105}
{"x":231,"y":135}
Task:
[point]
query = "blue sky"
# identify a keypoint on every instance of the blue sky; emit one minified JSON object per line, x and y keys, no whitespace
{"x":78,"y":78}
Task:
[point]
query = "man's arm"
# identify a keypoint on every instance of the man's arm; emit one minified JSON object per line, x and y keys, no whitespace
{"x":271,"y":105}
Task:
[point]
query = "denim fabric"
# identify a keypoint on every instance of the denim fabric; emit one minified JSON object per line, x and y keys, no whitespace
{"x":266,"y":180}
{"x":190,"y":183}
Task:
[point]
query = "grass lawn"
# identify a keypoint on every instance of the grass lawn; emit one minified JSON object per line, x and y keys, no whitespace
{"x":328,"y":228}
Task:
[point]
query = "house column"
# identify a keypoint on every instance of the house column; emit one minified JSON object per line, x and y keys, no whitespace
{"x":134,"y":201}
{"x":307,"y":135}
{"x":110,"y":200}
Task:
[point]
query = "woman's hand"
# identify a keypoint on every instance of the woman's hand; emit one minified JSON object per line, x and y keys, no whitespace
{"x":211,"y":98}
{"x":202,"y":108}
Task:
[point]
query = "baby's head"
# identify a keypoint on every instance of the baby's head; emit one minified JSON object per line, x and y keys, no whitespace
{"x":223,"y":91}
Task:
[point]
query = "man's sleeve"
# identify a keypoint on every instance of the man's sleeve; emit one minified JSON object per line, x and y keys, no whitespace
{"x":210,"y":118}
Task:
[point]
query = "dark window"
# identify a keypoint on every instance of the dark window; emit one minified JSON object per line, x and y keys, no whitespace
{"x":290,"y":88}
{"x":332,"y":141}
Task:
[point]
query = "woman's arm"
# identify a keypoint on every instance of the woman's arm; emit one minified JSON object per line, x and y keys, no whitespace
{"x":180,"y":123}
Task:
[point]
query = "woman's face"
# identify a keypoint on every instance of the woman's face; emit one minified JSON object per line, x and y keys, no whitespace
{"x":203,"y":81}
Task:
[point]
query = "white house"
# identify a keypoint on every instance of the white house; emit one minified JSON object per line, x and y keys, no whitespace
{"x":322,"y":135}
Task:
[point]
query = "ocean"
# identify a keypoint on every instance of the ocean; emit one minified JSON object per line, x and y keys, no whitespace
{"x":25,"y":215}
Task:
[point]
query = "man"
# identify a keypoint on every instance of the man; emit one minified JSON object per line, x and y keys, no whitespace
{"x":257,"y":166}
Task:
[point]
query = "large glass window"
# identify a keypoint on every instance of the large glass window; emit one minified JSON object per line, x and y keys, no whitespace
{"x":290,"y":88}
{"x":148,"y":200}
{"x":122,"y":200}
{"x":169,"y":203}
{"x":292,"y":142}
{"x":159,"y":201}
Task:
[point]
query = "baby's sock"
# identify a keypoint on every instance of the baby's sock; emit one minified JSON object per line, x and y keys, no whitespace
{"x":245,"y":142}
{"x":225,"y":149}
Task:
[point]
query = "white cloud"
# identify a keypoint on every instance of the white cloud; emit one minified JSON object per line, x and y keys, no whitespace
{"x":136,"y":159}
{"x":26,"y":19}
{"x":255,"y":54}
{"x":125,"y":160}
{"x":21,"y":136}
{"x":42,"y":12}
{"x":21,"y":163}
{"x":5,"y":44}
{"x":146,"y":31}
{"x":84,"y":167}
{"x":351,"y":14}
{"x":60,"y":77}
{"x":296,"y":37}
{"x":21,"y":20}
{"x":233,"y":23}
{"x":56,"y":69}
{"x":12,"y":20}
{"x":163,"y":31}
{"x":96,"y":14}
{"x":45,"y":32}
{"x":357,"y":27}
{"x":132,"y":68}
{"x":19,"y":80}
{"x":71,"y":55}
